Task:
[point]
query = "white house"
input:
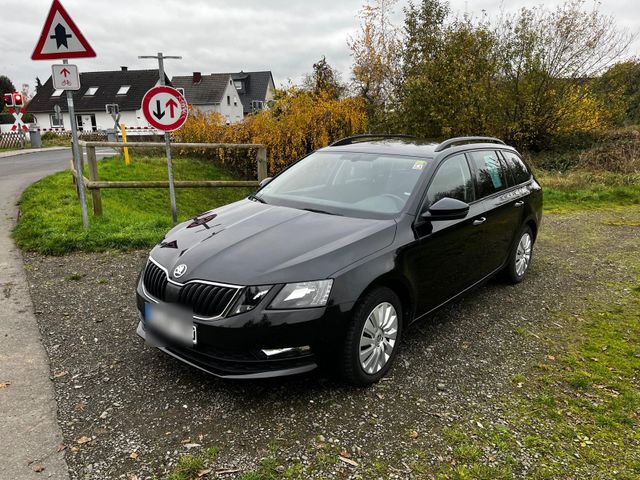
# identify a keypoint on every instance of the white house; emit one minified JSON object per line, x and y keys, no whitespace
{"x":211,"y":93}
{"x":123,"y":87}
{"x":256,"y":90}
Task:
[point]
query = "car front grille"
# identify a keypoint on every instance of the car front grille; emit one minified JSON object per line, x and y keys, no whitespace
{"x":155,"y":281}
{"x":205,"y":299}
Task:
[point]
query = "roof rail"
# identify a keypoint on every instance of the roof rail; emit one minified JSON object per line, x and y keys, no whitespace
{"x":355,"y":138}
{"x":454,"y":141}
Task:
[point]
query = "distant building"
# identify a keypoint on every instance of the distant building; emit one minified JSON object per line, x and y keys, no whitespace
{"x":234,"y":95}
{"x":256,"y":90}
{"x":124,"y":87}
{"x":211,"y":93}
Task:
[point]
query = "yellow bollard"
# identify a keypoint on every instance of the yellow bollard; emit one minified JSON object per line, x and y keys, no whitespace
{"x":125,"y":150}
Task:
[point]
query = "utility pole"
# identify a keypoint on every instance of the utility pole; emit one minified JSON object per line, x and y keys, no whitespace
{"x":167,"y":140}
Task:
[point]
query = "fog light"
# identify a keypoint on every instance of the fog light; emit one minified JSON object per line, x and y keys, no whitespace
{"x":282,"y":351}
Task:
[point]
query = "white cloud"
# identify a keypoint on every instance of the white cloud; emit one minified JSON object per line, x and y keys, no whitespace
{"x":285,"y":36}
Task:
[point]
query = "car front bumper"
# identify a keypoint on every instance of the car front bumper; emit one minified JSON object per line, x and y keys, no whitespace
{"x":246,"y":345}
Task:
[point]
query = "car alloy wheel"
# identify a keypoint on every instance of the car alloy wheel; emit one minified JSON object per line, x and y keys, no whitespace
{"x":523,"y":254}
{"x":378,"y":338}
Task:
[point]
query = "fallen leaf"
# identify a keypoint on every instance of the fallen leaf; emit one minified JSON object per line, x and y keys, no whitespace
{"x":345,"y":454}
{"x":413,"y":434}
{"x":203,"y":472}
{"x":60,"y":374}
{"x":61,"y":447}
{"x":4,"y":385}
{"x":348,"y":461}
{"x":133,"y":455}
{"x":551,"y":357}
{"x":38,"y":468}
{"x":84,"y":439}
{"x":189,"y":446}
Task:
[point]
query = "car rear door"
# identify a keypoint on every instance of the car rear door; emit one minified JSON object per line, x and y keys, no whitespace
{"x":501,"y":209}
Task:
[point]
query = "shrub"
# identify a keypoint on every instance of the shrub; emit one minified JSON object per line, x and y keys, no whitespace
{"x":298,"y":123}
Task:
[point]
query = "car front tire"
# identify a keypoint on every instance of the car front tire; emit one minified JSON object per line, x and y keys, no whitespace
{"x":520,"y":257}
{"x":372,"y":339}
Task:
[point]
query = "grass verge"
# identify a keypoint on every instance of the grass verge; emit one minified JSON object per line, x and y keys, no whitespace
{"x":51,"y":222}
{"x":577,"y":417}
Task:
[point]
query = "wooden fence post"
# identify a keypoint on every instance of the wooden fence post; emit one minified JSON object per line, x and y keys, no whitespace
{"x":261,"y":157}
{"x":96,"y":198}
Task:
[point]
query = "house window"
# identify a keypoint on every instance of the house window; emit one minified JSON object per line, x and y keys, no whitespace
{"x":91,"y":91}
{"x":228,"y":100}
{"x":238,"y":84}
{"x":57,"y":93}
{"x":56,"y":121}
{"x":257,"y":104}
{"x":123,"y":90}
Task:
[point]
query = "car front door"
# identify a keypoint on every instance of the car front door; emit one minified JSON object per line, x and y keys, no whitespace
{"x":501,"y":209}
{"x":440,"y":263}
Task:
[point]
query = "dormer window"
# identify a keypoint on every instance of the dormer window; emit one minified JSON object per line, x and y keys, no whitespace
{"x":123,"y":90}
{"x":91,"y":91}
{"x":238,"y":84}
{"x":57,"y":93}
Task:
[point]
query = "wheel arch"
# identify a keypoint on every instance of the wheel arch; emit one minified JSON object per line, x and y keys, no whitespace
{"x":401,"y":288}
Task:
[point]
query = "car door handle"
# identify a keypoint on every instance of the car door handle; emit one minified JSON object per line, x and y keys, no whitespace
{"x":479,"y":221}
{"x":518,"y":204}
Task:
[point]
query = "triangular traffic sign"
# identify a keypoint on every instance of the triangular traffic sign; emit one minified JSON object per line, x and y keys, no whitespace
{"x":60,"y":37}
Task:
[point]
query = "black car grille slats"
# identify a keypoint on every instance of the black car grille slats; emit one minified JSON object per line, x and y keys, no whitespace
{"x":155,"y":281}
{"x":206,"y":300}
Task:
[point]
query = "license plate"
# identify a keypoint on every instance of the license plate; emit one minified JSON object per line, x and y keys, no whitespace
{"x":172,"y":322}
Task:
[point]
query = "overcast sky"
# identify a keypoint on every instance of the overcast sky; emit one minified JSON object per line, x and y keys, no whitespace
{"x":284,"y":36}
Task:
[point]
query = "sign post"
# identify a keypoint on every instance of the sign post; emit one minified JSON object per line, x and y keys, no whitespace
{"x":62,"y":39}
{"x":173,"y":121}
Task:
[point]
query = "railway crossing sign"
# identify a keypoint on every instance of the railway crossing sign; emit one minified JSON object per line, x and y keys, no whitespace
{"x":65,"y":77}
{"x":60,"y":37}
{"x":165,"y":108}
{"x":15,"y":106}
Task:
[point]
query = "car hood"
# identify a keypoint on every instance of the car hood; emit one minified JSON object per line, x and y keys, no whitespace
{"x":250,"y":243}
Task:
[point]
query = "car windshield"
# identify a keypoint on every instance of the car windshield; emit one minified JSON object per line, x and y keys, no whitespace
{"x":345,"y":183}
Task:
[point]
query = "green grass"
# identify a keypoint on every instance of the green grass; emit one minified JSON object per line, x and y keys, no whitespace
{"x":578,"y":417}
{"x":581,"y":190}
{"x":51,"y":222}
{"x":189,"y":466}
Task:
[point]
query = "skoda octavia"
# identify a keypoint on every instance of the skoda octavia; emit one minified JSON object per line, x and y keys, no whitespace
{"x":331,"y":260}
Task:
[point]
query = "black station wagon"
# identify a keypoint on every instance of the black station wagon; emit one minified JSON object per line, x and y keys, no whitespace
{"x":328,"y":262}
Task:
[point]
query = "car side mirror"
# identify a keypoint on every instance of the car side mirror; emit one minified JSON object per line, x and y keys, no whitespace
{"x":446,"y":209}
{"x":264,"y":181}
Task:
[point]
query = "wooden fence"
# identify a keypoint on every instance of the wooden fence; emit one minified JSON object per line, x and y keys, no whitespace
{"x":94,"y":184}
{"x":12,"y":140}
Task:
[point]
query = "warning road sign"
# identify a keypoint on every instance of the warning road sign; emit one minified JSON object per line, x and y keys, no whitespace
{"x":60,"y":37}
{"x":165,"y":108}
{"x":65,"y":77}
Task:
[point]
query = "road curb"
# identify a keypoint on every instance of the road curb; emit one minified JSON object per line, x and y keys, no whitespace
{"x":25,"y":151}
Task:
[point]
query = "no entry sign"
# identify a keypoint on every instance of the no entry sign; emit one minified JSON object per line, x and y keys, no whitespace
{"x":165,"y":108}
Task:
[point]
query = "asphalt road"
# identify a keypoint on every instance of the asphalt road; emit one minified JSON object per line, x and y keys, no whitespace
{"x":29,"y":433}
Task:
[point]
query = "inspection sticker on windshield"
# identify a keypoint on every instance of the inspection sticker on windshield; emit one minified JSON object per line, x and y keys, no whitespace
{"x":419,"y":165}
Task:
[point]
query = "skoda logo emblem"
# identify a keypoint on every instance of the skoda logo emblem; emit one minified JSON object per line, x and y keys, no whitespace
{"x":179,"y":270}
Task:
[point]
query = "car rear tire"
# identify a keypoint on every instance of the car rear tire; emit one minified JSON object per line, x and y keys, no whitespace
{"x":372,"y":339}
{"x":520,"y":257}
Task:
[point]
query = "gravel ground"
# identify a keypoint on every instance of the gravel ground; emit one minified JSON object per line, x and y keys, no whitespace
{"x":129,"y":411}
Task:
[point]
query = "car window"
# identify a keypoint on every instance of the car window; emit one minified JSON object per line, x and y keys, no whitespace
{"x":517,"y":167}
{"x":453,"y":180}
{"x":347,"y":183}
{"x":489,"y":172}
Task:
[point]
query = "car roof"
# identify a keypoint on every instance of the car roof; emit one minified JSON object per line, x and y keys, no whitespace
{"x":413,"y":147}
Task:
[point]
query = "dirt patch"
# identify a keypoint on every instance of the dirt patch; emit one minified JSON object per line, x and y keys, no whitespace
{"x":117,"y":396}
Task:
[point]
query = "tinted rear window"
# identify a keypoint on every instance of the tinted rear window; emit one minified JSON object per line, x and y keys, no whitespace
{"x":489,"y":172}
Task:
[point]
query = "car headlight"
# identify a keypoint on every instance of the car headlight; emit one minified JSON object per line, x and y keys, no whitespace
{"x":250,"y":298}
{"x":303,"y":295}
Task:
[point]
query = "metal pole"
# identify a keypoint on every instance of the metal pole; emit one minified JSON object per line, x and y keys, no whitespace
{"x":167,"y":143}
{"x":76,"y":157}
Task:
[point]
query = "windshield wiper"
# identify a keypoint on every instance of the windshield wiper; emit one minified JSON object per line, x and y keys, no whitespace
{"x":256,"y":199}
{"x":315,"y":210}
